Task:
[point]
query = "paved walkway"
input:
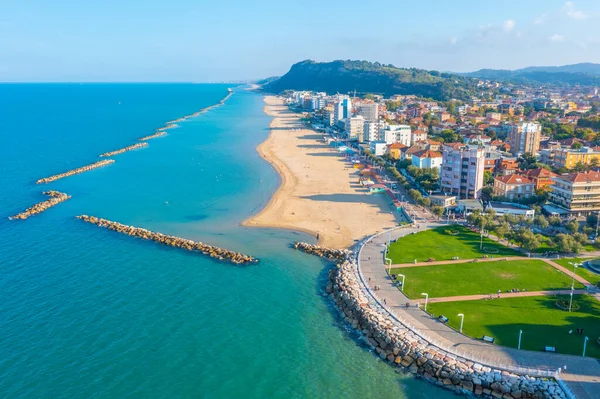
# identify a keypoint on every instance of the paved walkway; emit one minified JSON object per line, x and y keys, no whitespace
{"x":501,"y":295}
{"x":583,"y":377}
{"x":567,"y":272}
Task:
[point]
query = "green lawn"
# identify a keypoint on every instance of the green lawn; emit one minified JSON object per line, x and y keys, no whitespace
{"x":543,"y":324}
{"x":435,"y":243}
{"x":580,"y":271}
{"x":482,"y":278}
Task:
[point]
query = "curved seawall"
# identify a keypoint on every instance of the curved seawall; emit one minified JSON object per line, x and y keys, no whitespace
{"x":405,"y":350}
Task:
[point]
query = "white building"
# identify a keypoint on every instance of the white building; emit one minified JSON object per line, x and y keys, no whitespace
{"x":396,"y":134}
{"x":378,"y":147}
{"x":342,"y":109}
{"x":427,"y":159}
{"x":369,"y":111}
{"x":371,"y":131}
{"x":354,"y":127}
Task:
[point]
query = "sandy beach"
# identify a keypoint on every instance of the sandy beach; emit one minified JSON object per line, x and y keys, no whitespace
{"x":319,"y":193}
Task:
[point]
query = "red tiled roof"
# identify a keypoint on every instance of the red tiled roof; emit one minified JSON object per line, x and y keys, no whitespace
{"x":427,"y":154}
{"x":540,"y":172}
{"x":578,"y":177}
{"x":396,"y":146}
{"x":514,"y":179}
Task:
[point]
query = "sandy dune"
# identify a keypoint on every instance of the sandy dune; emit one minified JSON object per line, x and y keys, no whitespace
{"x":319,"y":193}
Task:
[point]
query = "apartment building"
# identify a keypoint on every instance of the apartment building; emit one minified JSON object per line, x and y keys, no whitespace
{"x":396,"y":134}
{"x":354,"y":127}
{"x":577,"y":192}
{"x":568,"y":158}
{"x":513,"y":187}
{"x":462,"y":171}
{"x":525,"y":138}
{"x":369,"y":111}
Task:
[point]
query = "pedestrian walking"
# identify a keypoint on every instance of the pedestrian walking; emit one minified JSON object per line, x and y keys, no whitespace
{"x":384,"y":301}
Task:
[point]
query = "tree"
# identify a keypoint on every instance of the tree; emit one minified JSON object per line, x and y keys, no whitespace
{"x":541,"y":221}
{"x":567,"y":244}
{"x":527,"y":161}
{"x":555,"y":221}
{"x":572,"y":226}
{"x":502,"y":230}
{"x":528,"y":240}
{"x":488,"y":178}
{"x":414,"y":194}
{"x":592,"y":220}
{"x":487,"y":193}
{"x":576,"y":145}
{"x":438,"y":211}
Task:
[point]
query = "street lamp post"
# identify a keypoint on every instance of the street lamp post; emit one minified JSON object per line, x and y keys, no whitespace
{"x":426,"y":298}
{"x":403,"y":278}
{"x":389,"y":266}
{"x":462,"y":320}
{"x":585,"y":340}
{"x":520,"y":335}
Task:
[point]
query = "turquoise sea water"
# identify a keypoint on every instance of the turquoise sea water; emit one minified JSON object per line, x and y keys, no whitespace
{"x":88,"y":313}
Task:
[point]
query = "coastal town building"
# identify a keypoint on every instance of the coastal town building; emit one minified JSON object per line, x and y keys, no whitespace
{"x":427,"y":159}
{"x":354,"y":128}
{"x":513,"y":187}
{"x":541,"y":177}
{"x":342,"y":109}
{"x":568,"y":158}
{"x":462,"y":171}
{"x":579,"y":193}
{"x":525,"y":138}
{"x":445,"y":201}
{"x":377,"y":148}
{"x":418,"y":135}
{"x":396,"y":134}
{"x":369,"y":111}
{"x":395,"y":150}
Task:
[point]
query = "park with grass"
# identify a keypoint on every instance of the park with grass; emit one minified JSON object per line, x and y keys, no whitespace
{"x":445,"y":243}
{"x":545,"y":319}
{"x":590,"y":276}
{"x":542,"y":321}
{"x":482,"y":278}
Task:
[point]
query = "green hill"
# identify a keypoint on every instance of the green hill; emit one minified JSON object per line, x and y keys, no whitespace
{"x":368,"y":77}
{"x":585,"y":74}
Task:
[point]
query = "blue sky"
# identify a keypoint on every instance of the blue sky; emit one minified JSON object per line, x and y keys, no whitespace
{"x":206,"y":40}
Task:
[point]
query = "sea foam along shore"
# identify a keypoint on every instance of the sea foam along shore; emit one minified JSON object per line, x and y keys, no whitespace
{"x":173,"y":241}
{"x":57,"y":198}
{"x":317,"y":194}
{"x":404,"y":349}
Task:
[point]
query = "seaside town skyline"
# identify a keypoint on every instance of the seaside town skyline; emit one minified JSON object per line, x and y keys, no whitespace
{"x":193,"y":42}
{"x":361,"y":200}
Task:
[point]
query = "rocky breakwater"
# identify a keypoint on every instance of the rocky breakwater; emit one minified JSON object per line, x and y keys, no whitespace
{"x":125,"y":149}
{"x":178,"y":242}
{"x":334,"y":255}
{"x":153,"y":136}
{"x":57,"y":198}
{"x":403,"y":349}
{"x":72,"y":172}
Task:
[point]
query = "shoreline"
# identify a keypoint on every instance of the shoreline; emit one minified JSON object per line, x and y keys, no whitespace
{"x":318,"y":193}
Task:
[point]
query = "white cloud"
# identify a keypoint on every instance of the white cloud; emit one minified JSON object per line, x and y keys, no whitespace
{"x":453,"y":40}
{"x":556,"y":38}
{"x":509,"y":25}
{"x":540,"y":19}
{"x":572,"y":12}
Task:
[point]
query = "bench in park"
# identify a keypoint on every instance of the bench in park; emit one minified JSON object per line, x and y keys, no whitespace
{"x":488,"y":339}
{"x":443,"y":318}
{"x":550,"y":349}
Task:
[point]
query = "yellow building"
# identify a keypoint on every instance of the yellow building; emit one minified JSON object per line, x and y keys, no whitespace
{"x":568,"y":158}
{"x":395,"y":150}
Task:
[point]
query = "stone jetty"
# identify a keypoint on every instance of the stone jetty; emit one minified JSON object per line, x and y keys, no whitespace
{"x":72,"y":172}
{"x":334,"y":255}
{"x":125,"y":149}
{"x":57,"y":198}
{"x":153,"y":136}
{"x":402,"y":348}
{"x":189,"y":245}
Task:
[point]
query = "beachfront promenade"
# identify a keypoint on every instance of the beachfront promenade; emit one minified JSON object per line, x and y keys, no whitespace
{"x":583,"y":376}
